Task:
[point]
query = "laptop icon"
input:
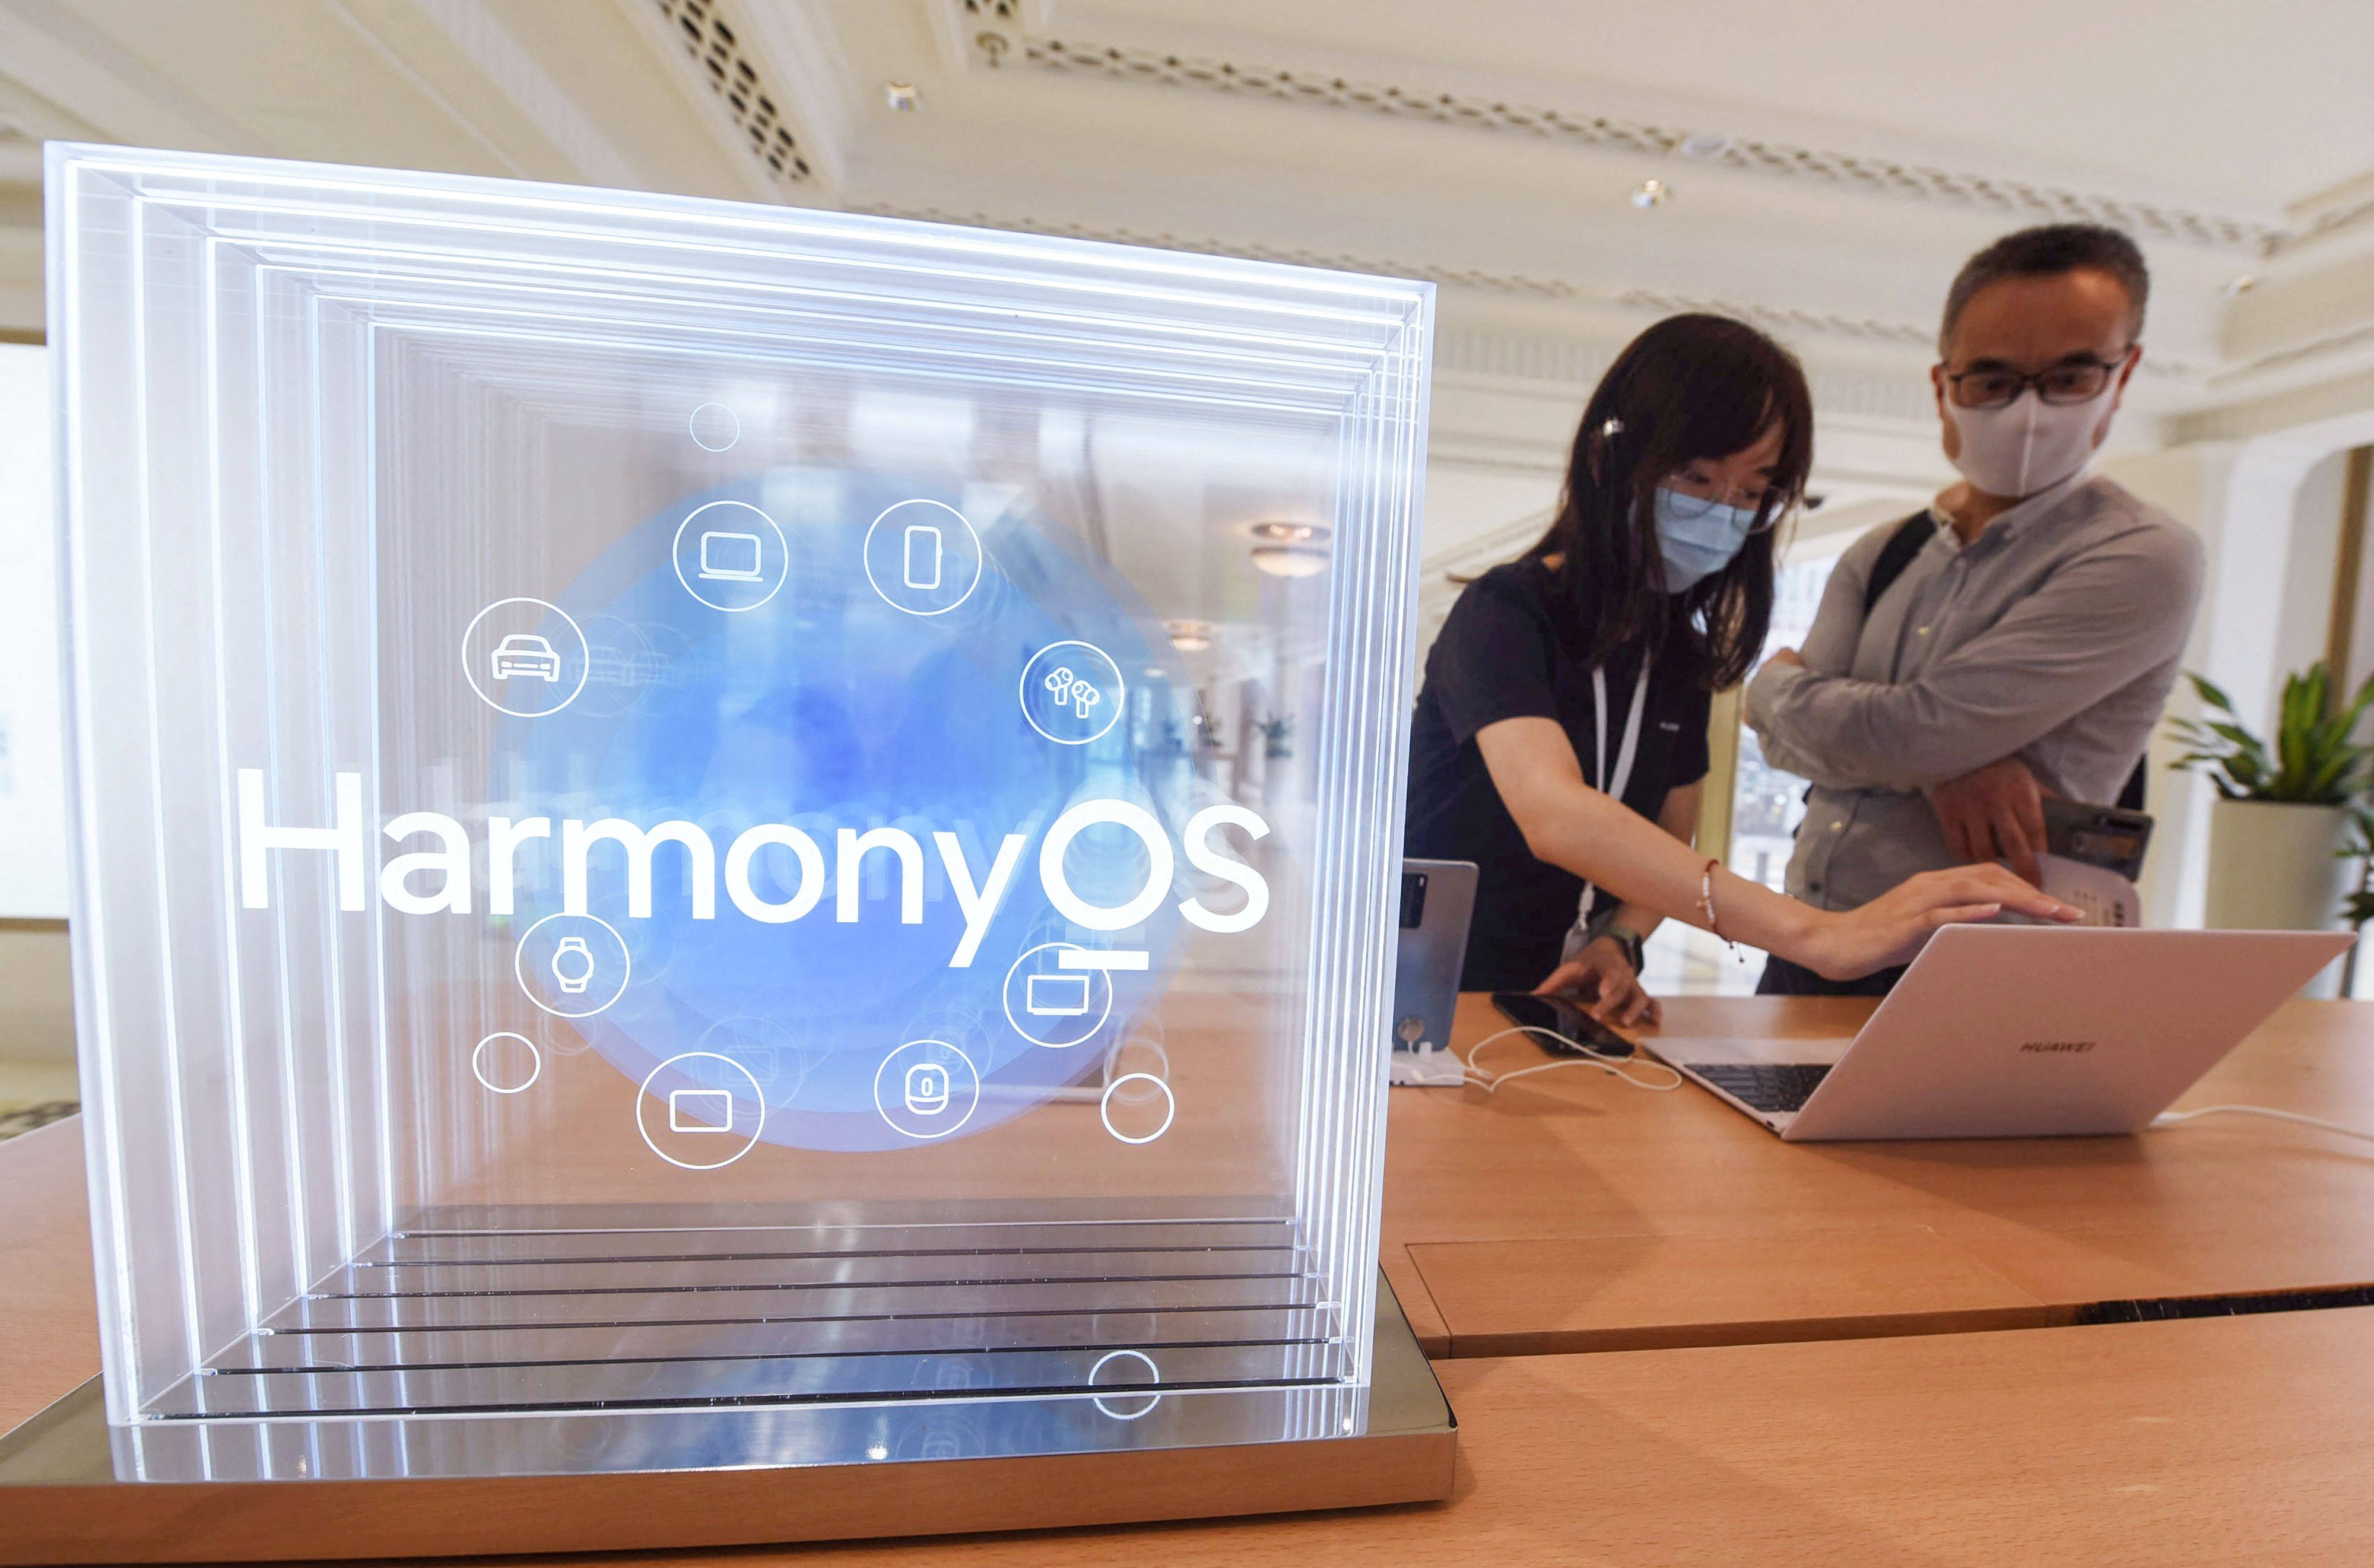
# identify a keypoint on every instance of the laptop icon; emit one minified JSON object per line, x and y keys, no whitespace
{"x":730,"y":558}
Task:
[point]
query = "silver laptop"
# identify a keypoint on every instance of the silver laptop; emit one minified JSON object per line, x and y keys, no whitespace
{"x":1437,"y":901}
{"x":2018,"y":1031}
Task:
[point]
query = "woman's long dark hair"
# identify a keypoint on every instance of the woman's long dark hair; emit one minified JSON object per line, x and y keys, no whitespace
{"x":1689,"y":389}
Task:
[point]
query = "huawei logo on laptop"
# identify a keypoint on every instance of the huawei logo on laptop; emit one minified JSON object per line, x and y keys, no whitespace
{"x":2056,"y":1047}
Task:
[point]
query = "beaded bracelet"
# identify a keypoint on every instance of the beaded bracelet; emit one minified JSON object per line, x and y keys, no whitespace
{"x":1706,"y":902}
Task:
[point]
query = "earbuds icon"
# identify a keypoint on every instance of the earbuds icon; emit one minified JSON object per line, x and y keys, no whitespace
{"x":1072,"y":691}
{"x":572,"y":965}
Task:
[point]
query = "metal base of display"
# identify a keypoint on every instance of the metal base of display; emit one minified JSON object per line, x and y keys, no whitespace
{"x":619,"y":1480}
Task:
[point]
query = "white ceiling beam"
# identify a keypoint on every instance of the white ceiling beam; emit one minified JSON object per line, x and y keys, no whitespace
{"x":718,"y":117}
{"x":795,"y":41}
{"x":476,"y":28}
{"x":65,"y":60}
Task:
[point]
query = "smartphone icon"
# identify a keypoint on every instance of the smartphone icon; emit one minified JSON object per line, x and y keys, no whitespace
{"x":922,"y":556}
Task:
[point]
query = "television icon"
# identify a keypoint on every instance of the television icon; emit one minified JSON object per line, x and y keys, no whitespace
{"x":1055,"y":995}
{"x":700,"y":1111}
{"x":730,"y":557}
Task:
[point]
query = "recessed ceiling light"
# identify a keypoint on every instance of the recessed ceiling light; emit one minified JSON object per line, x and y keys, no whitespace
{"x":901,"y":97}
{"x":2239,"y":286}
{"x":1290,"y":549}
{"x":1651,"y":192}
{"x":1189,"y":636}
{"x":1289,"y":560}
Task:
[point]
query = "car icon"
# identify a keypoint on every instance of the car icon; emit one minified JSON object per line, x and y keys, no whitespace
{"x":523,"y":653}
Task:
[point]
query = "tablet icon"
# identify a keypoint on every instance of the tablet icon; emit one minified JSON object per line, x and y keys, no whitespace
{"x":708,"y":1126}
{"x":700,"y":1111}
{"x":730,"y":558}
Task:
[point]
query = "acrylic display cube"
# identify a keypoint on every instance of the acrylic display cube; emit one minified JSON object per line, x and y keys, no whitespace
{"x":685,"y":809}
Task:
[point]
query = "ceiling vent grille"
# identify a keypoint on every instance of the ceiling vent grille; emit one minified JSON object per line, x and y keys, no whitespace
{"x":1845,"y":169}
{"x":715,"y":48}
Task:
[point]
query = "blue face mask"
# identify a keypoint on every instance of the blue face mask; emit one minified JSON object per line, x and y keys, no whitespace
{"x":1697,"y":538}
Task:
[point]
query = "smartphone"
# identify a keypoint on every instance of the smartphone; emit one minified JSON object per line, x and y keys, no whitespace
{"x":2098,"y":835}
{"x":1560,"y":1017}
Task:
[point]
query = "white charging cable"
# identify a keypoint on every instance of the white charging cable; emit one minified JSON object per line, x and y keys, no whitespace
{"x":1612,"y":1065}
{"x":2177,"y":1119}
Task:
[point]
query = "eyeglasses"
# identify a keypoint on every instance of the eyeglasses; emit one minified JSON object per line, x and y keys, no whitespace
{"x":2077,"y":379}
{"x":1685,"y":504}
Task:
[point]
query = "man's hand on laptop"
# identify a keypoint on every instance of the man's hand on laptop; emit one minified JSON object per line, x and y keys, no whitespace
{"x":1995,"y":812}
{"x":1601,"y":980}
{"x":1891,"y":928}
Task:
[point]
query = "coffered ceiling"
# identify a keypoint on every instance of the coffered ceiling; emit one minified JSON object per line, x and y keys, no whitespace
{"x":1821,"y":170}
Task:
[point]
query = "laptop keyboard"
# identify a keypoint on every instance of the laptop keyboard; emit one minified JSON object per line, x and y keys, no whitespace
{"x":1775,"y":1085}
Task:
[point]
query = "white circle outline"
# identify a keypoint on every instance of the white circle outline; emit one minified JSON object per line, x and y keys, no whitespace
{"x":644,"y":1097}
{"x":1151,"y":1399}
{"x":479,"y":1072}
{"x":1169,"y":1114}
{"x":1121,"y":698}
{"x":1113,"y":1054}
{"x":519,"y":951}
{"x":980,"y":555}
{"x":584,"y":663}
{"x":959,"y":1121}
{"x":1006,"y":999}
{"x":675,"y":557}
{"x":692,"y":430}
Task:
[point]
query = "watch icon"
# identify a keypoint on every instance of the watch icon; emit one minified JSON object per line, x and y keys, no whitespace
{"x":572,"y":965}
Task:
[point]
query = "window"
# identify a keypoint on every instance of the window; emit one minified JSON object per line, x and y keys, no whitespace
{"x":1766,"y":804}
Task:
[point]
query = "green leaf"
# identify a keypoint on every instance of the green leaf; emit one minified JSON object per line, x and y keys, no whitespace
{"x":2210,"y":692}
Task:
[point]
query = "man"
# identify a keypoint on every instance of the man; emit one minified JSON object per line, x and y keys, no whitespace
{"x":2033,"y":626}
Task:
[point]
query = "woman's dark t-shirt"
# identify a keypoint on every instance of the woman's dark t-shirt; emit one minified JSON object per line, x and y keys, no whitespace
{"x":1505,"y":653}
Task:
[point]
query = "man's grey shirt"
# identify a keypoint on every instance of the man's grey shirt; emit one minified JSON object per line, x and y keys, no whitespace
{"x":2055,"y":636}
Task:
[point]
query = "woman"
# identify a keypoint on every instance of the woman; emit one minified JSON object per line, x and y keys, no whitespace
{"x":1560,"y":736}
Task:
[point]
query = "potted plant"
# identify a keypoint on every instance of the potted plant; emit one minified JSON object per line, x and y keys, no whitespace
{"x":2277,"y":832}
{"x":2358,"y":909}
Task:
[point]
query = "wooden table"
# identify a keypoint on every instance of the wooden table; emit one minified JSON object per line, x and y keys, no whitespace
{"x":1570,"y":1213}
{"x":2225,"y":1440}
{"x":2241,"y":1440}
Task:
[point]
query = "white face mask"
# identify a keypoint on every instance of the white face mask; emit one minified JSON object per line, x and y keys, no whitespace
{"x":2029,"y":444}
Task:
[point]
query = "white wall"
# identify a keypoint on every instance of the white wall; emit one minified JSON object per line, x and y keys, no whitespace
{"x":2243,"y":498}
{"x":32,"y":787}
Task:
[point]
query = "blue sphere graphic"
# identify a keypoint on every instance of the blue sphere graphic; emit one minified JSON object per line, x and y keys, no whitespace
{"x":817,"y":702}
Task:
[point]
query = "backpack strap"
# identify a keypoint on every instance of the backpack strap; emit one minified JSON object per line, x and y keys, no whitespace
{"x":1896,"y":555}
